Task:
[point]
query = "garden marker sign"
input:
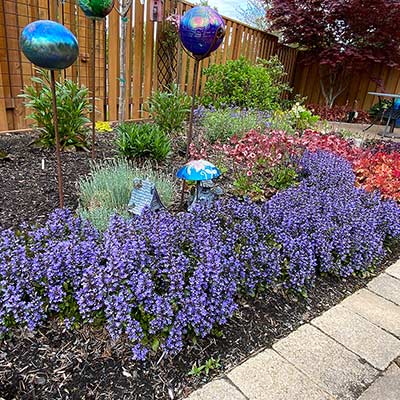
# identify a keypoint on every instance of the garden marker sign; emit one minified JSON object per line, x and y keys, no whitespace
{"x":50,"y":45}
{"x":144,"y":194}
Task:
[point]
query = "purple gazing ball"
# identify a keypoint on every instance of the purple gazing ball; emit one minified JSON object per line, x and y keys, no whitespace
{"x":201,"y":30}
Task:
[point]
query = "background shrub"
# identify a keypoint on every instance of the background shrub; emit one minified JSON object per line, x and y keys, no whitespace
{"x":73,"y":108}
{"x":170,"y":108}
{"x":142,"y":142}
{"x":241,"y":84}
{"x":106,"y":191}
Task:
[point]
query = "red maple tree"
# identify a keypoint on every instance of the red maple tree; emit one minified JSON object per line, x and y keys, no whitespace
{"x":343,"y":36}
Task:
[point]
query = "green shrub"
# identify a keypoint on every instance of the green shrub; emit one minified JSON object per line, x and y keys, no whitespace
{"x":221,"y":125}
{"x":169,"y":109}
{"x":107,"y":190}
{"x":73,"y":107}
{"x":239,"y":83}
{"x":142,"y":141}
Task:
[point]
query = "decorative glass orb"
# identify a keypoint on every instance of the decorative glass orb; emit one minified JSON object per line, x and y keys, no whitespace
{"x":201,"y":30}
{"x":49,"y":44}
{"x":96,"y":8}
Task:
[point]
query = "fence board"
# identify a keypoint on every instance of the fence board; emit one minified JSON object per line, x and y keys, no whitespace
{"x":137,"y":59}
{"x":306,"y":83}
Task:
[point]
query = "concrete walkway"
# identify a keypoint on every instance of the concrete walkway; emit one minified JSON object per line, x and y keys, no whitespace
{"x":350,"y":352}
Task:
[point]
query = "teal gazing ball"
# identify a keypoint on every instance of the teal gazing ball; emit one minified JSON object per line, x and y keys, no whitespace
{"x":96,"y":9}
{"x":201,"y":30}
{"x":48,"y":44}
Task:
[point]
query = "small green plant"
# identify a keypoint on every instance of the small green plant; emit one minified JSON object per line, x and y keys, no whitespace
{"x":73,"y":108}
{"x":169,"y":109}
{"x":106,"y":191}
{"x":142,"y":142}
{"x":239,"y":83}
{"x":282,"y":177}
{"x":209,"y":365}
{"x":3,"y":155}
{"x":302,"y":117}
{"x":377,"y":109}
{"x":296,"y":119}
{"x":221,"y":125}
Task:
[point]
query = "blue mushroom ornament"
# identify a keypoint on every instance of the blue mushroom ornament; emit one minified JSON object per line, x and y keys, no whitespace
{"x":198,"y":170}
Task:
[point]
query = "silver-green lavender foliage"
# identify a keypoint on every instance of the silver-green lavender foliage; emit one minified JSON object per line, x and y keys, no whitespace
{"x":106,"y":191}
{"x":220,"y":125}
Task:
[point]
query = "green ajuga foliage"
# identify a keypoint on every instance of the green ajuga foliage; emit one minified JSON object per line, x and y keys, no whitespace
{"x":142,"y":142}
{"x":265,"y":182}
{"x":239,"y":83}
{"x":73,"y":108}
{"x":169,"y":109}
{"x":106,"y":191}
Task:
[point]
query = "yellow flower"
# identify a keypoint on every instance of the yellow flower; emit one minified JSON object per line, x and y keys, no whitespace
{"x":103,"y":126}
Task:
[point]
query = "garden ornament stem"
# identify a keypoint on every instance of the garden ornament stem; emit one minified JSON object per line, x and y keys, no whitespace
{"x":201,"y":32}
{"x":194,"y":86}
{"x":50,"y":45}
{"x":95,"y":9}
{"x":57,"y":139}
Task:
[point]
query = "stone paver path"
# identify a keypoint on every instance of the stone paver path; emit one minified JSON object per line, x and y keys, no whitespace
{"x":351,"y":352}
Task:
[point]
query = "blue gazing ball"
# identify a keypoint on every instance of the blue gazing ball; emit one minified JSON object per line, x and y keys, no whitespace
{"x":49,"y":44}
{"x":201,"y":30}
{"x":96,"y":8}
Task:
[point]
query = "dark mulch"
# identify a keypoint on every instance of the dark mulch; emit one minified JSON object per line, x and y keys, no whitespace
{"x":28,"y":192}
{"x":54,"y":363}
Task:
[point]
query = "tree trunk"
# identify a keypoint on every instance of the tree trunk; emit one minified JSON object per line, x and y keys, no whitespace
{"x":333,"y":83}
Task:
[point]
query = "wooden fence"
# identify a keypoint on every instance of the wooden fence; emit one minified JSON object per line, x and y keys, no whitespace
{"x":307,"y":83}
{"x":16,"y":71}
{"x":153,"y":58}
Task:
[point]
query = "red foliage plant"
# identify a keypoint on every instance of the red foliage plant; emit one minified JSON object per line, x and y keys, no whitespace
{"x":257,"y":158}
{"x":314,"y":141}
{"x":353,"y":33}
{"x":379,"y":171}
{"x":339,"y":113}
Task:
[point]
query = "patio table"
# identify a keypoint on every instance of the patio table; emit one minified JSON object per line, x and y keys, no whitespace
{"x":391,"y":114}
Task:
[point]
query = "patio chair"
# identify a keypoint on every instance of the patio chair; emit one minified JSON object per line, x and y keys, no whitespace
{"x":388,"y":116}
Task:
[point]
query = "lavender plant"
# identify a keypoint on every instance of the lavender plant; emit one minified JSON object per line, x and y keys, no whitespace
{"x":161,"y":278}
{"x":106,"y":191}
{"x":221,"y":125}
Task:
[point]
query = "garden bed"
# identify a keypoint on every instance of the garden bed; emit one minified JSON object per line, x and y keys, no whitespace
{"x":56,"y":363}
{"x":28,"y":192}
